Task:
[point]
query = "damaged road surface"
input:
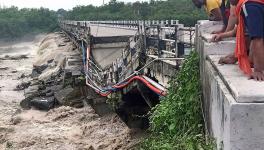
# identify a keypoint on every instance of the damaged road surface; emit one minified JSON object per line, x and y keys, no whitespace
{"x":54,"y":112}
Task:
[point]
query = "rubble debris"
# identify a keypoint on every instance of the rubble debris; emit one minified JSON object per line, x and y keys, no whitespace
{"x":4,"y":68}
{"x":43,"y":103}
{"x":22,"y":86}
{"x":55,"y":88}
{"x":32,"y":91}
{"x":51,"y":85}
{"x":40,"y":68}
{"x":34,"y":74}
{"x":16,"y":120}
{"x":62,"y":44}
{"x":49,"y":94}
{"x":44,"y":92}
{"x":22,"y":76}
{"x":15,"y":57}
{"x":50,"y":61}
{"x":35,"y":82}
{"x":14,"y":71}
{"x":66,"y":40}
{"x":25,"y":103}
{"x":69,"y":97}
{"x":61,"y":96}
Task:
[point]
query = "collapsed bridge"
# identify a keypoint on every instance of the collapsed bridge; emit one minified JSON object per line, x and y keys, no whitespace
{"x":129,"y":62}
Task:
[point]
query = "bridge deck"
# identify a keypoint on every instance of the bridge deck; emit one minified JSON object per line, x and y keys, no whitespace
{"x":106,"y":31}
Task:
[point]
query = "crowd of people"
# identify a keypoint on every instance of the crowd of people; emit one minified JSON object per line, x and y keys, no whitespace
{"x":243,"y":19}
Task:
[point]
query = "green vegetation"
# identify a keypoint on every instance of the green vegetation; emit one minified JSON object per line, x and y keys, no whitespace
{"x":16,"y":22}
{"x":182,"y":10}
{"x":177,"y":122}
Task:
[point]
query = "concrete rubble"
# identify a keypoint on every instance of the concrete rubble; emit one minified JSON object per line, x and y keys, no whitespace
{"x":48,"y":86}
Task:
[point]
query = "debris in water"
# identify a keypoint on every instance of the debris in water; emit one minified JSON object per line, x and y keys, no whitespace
{"x":14,"y":71}
{"x":15,"y":57}
{"x":16,"y":120}
{"x":22,"y":86}
{"x":3,"y":68}
{"x":22,"y":76}
{"x":43,"y":103}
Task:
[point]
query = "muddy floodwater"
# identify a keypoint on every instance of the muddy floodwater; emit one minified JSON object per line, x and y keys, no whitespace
{"x":62,"y":128}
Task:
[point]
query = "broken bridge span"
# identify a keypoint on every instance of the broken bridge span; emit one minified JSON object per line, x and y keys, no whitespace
{"x":129,"y":62}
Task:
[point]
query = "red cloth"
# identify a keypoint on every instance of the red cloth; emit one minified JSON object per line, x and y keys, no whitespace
{"x":227,"y":13}
{"x":241,"y":49}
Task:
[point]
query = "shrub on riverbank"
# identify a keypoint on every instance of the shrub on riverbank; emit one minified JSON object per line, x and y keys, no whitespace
{"x":177,"y":122}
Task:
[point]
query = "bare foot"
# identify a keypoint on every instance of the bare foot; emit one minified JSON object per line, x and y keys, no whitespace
{"x":257,"y":76}
{"x":229,"y":59}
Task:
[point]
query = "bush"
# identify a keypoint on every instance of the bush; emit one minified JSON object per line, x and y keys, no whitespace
{"x":177,"y":122}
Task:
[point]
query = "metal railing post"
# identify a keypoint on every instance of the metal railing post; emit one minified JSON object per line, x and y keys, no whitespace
{"x":176,"y":40}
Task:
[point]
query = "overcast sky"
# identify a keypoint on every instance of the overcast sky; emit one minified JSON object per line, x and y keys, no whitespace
{"x":54,"y":4}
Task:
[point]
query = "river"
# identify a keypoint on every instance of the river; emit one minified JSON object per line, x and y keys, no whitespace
{"x":62,"y":128}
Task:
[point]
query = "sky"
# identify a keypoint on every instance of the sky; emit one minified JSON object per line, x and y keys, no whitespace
{"x":55,"y":4}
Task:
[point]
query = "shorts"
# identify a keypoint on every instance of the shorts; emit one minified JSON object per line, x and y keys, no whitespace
{"x":254,"y":19}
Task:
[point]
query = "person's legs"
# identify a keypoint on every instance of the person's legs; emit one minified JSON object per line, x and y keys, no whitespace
{"x":254,"y":19}
{"x":257,"y":48}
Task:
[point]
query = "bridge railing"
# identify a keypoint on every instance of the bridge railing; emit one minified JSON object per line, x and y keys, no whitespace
{"x":137,"y":22}
{"x":122,"y":23}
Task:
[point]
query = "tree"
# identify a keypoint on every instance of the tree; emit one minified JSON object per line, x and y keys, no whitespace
{"x":16,"y":22}
{"x":182,"y":10}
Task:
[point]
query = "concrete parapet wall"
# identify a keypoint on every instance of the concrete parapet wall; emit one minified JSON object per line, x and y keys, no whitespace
{"x":162,"y":70}
{"x":233,"y":105}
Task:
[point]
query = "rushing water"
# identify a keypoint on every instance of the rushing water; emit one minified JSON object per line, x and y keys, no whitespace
{"x":62,"y":128}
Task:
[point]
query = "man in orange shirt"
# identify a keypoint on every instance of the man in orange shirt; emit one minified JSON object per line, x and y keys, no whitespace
{"x":250,"y":15}
{"x":250,"y":18}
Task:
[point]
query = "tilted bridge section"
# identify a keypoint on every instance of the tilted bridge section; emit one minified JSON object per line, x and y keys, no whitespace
{"x":129,"y":62}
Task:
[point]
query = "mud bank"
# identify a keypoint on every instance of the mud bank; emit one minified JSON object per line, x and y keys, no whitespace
{"x":62,"y":128}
